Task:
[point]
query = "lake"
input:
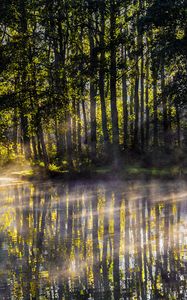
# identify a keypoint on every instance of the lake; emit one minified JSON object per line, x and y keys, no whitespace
{"x":93,"y":240}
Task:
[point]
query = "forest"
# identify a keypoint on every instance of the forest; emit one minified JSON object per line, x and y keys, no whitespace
{"x":93,"y":143}
{"x":93,"y":82}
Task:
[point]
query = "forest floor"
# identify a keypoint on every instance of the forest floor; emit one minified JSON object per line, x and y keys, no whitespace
{"x":161,"y":165}
{"x":26,"y":171}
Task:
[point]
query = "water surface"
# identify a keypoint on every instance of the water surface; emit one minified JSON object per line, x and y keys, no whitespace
{"x":114,"y":240}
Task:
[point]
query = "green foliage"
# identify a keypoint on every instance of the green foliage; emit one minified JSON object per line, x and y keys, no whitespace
{"x":73,"y":71}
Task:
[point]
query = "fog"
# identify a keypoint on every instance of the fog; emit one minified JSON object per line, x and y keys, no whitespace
{"x":97,"y":240}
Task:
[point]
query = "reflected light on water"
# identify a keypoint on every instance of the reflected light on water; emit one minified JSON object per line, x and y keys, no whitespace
{"x":93,"y":241}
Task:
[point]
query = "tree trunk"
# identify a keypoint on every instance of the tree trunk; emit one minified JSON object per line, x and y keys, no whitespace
{"x":164,"y":106}
{"x":131,"y":114}
{"x":92,"y":94}
{"x":74,"y":127}
{"x":59,"y":139}
{"x":147,"y":103}
{"x":23,"y":105}
{"x":142,"y":98}
{"x":39,"y":147}
{"x":114,"y":112}
{"x":79,"y":128}
{"x":44,"y":150}
{"x":155,"y":112}
{"x":93,"y":121}
{"x":85,"y":122}
{"x":178,"y":125}
{"x":69,"y":140}
{"x":34,"y":147}
{"x":142,"y":75}
{"x":42,"y":141}
{"x":136,"y":106}
{"x":102,"y":79}
{"x":15,"y":131}
{"x":124,"y":98}
{"x":25,"y":134}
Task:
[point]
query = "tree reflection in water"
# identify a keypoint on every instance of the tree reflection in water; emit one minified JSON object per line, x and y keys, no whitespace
{"x":93,"y":241}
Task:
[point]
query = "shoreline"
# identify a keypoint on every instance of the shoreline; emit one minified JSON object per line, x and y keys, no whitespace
{"x":127,"y":174}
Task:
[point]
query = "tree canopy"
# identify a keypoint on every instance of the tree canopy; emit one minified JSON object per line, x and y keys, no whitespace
{"x":92,"y":81}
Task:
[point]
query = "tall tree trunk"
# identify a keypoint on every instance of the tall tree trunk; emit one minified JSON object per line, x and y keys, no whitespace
{"x":142,"y":75}
{"x":39,"y":147}
{"x":82,"y":100}
{"x":102,"y":78}
{"x":34,"y":147}
{"x":178,"y":125}
{"x":131,"y":114}
{"x":25,"y":134}
{"x":136,"y":87}
{"x":147,"y":102}
{"x":142,"y":97}
{"x":113,"y":74}
{"x":74,"y":126}
{"x":85,"y":121}
{"x":136,"y":106}
{"x":124,"y":98}
{"x":92,"y":93}
{"x":79,"y":128}
{"x":155,"y":111}
{"x":69,"y":139}
{"x":15,"y":131}
{"x":59,"y":138}
{"x":164,"y":105}
{"x":23,"y":116}
{"x":93,"y":120}
{"x":42,"y":141}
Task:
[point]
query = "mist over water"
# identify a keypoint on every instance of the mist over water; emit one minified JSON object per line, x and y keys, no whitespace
{"x":105,"y":240}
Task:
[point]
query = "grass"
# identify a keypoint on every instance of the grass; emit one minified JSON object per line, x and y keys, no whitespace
{"x":131,"y":170}
{"x":138,"y":171}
